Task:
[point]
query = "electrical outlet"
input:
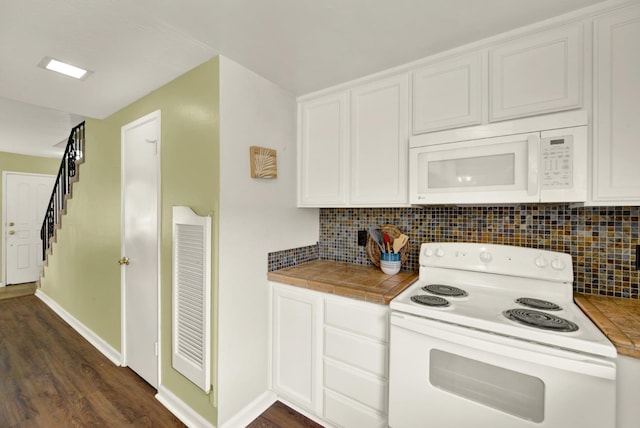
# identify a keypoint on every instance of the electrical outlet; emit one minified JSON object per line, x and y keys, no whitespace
{"x":362,"y":238}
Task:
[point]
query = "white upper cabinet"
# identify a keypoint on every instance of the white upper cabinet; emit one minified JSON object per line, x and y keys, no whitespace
{"x":379,"y":142}
{"x":537,"y":74}
{"x":616,"y":126}
{"x":448,"y":94}
{"x":353,"y":146}
{"x":323,"y":151}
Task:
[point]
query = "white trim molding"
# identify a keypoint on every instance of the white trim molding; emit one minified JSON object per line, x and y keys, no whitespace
{"x":181,"y":410}
{"x":251,"y":411}
{"x":107,"y":350}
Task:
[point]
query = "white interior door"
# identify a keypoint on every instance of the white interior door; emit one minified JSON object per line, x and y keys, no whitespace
{"x":140,"y":245}
{"x":25,"y":201}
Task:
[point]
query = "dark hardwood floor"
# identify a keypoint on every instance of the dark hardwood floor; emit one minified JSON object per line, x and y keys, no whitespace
{"x":18,"y":290}
{"x":51,"y":377}
{"x":282,"y":416}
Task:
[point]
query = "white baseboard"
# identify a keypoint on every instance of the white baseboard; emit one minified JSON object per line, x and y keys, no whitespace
{"x":251,"y":411}
{"x":102,"y":346}
{"x":181,"y":410}
{"x":306,"y":413}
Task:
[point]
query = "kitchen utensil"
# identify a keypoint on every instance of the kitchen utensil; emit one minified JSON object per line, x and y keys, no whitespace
{"x":387,"y":242}
{"x":376,"y":235}
{"x":400,"y":242}
{"x":373,"y":249}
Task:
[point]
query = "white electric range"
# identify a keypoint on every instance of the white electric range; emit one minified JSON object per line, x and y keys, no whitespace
{"x":490,"y":333}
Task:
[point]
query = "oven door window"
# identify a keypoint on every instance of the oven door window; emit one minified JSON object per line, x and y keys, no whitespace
{"x":515,"y":393}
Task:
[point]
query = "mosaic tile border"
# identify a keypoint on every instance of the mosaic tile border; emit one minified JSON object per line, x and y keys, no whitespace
{"x":601,"y":240}
{"x":287,"y":258}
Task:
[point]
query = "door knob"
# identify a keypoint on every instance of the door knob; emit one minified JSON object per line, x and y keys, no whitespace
{"x":124,"y":261}
{"x":12,"y":232}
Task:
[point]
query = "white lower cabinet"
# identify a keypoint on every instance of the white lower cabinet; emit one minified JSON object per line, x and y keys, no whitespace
{"x":368,"y":389}
{"x":627,"y":392}
{"x":296,"y":344}
{"x":330,"y":356}
{"x":341,"y":411}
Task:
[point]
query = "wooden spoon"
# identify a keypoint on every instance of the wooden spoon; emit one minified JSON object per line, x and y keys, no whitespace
{"x":400,"y":242}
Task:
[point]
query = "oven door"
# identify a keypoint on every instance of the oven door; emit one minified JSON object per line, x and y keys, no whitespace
{"x":500,"y":169}
{"x":443,"y":375}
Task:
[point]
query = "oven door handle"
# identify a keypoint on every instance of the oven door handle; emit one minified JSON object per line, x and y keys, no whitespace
{"x":506,"y":347}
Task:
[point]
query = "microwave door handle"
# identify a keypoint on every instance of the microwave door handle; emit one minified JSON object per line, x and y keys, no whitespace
{"x":533,"y":142}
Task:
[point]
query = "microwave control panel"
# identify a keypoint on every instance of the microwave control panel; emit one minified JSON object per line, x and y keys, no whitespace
{"x":557,"y":162}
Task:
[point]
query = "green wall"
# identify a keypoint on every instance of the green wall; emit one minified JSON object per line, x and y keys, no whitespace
{"x":30,"y":164}
{"x":83,"y":275}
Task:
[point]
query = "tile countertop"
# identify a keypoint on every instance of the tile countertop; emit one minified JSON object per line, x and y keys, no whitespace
{"x":366,"y":283}
{"x":619,"y":320}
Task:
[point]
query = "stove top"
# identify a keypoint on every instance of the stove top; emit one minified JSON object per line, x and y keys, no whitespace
{"x":519,"y":292}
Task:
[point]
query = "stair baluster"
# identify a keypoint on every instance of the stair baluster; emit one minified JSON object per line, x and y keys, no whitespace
{"x":67,"y":173}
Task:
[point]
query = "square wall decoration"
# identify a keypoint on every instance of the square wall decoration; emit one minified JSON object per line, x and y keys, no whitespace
{"x":263,"y":162}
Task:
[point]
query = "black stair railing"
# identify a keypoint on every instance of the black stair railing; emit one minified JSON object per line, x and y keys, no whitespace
{"x":73,"y":155}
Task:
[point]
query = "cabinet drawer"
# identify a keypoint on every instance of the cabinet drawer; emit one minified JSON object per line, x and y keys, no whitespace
{"x":360,"y":352}
{"x":360,"y":386}
{"x":343,"y":412}
{"x":371,"y":320}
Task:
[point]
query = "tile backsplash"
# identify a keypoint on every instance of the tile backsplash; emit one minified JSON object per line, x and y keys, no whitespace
{"x":602,"y":240}
{"x":287,"y":258}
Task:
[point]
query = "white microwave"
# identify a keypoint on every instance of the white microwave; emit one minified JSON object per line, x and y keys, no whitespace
{"x":504,"y":166}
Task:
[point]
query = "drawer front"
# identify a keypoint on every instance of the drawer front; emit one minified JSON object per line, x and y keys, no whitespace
{"x":368,"y":319}
{"x":366,"y":354}
{"x":356,"y":384}
{"x":343,"y":412}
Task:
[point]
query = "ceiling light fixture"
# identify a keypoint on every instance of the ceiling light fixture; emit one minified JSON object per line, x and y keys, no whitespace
{"x":64,"y":68}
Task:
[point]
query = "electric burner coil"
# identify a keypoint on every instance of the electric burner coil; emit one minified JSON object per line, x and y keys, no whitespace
{"x":433,"y":301}
{"x":541,"y":320}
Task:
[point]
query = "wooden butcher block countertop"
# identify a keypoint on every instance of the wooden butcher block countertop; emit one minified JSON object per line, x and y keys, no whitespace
{"x":360,"y":282}
{"x":619,"y":320}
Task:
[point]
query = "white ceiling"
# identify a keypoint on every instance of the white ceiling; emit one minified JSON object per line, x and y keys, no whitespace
{"x":135,"y":46}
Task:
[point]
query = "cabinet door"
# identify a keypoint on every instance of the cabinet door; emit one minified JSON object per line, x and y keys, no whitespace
{"x":323,"y":151}
{"x":616,"y":130}
{"x":537,"y":74}
{"x":296,"y":350}
{"x":379,"y":143}
{"x":448,"y":94}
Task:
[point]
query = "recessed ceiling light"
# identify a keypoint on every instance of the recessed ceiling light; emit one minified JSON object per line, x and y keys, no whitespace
{"x":64,"y":68}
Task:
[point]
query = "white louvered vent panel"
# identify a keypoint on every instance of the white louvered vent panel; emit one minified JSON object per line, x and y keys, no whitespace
{"x":192,"y":296}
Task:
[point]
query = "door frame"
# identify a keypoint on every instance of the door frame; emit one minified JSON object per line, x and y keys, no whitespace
{"x":155,"y":115}
{"x":4,"y":216}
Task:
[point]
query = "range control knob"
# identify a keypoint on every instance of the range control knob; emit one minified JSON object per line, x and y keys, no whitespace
{"x":557,"y":264}
{"x":428,"y":252}
{"x":439,"y":252}
{"x":540,"y":261}
{"x":486,"y":256}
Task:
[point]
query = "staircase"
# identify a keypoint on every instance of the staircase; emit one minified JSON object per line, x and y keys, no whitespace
{"x":67,"y":175}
